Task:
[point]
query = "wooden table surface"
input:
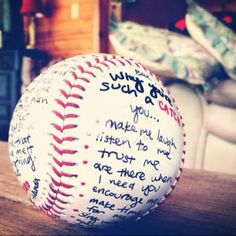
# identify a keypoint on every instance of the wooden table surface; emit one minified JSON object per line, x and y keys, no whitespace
{"x":203,"y":203}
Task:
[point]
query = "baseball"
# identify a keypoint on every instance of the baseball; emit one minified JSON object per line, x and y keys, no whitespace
{"x":96,"y":140}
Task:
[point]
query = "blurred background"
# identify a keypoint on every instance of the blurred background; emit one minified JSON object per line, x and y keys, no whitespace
{"x":194,"y":56}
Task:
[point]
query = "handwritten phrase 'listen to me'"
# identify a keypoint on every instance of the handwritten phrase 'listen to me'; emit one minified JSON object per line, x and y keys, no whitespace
{"x":125,"y":142}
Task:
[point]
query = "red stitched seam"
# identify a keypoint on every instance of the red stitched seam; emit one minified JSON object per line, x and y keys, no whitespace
{"x":61,"y":201}
{"x":81,"y":70}
{"x":128,"y":61}
{"x":79,"y":87}
{"x":97,"y":67}
{"x":137,"y":64}
{"x":89,"y":63}
{"x":121,"y":62}
{"x":105,"y":64}
{"x":56,"y":211}
{"x":63,"y":92}
{"x":56,"y":191}
{"x":60,"y":174}
{"x":61,"y":184}
{"x":63,"y":151}
{"x":63,"y":117}
{"x":51,"y":199}
{"x":51,"y":214}
{"x":90,"y":72}
{"x":61,"y":140}
{"x":68,"y":104}
{"x":97,"y":60}
{"x":43,"y":208}
{"x":61,"y":129}
{"x":84,"y":79}
{"x":52,"y":205}
{"x":61,"y":208}
{"x":65,"y":127}
{"x":63,"y":163}
{"x":112,"y":62}
{"x":68,"y":83}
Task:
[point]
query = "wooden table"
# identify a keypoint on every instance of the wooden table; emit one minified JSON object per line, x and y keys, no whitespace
{"x":203,"y":203}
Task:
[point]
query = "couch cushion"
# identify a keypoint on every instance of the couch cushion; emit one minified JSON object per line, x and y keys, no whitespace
{"x":213,"y":35}
{"x":165,"y":53}
{"x":192,"y":117}
{"x":220,"y":121}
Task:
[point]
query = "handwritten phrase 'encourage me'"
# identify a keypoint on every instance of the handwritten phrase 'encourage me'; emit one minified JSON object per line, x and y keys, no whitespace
{"x":131,"y":154}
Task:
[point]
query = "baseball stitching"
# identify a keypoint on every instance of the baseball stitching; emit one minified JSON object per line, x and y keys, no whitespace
{"x":53,"y":205}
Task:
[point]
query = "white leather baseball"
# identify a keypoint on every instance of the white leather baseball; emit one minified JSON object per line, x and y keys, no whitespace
{"x":97,"y":139}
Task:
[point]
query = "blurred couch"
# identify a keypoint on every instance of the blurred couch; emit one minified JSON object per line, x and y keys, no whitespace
{"x":208,"y":108}
{"x":210,"y":146}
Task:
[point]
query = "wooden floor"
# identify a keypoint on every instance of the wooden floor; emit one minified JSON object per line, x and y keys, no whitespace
{"x":203,"y":203}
